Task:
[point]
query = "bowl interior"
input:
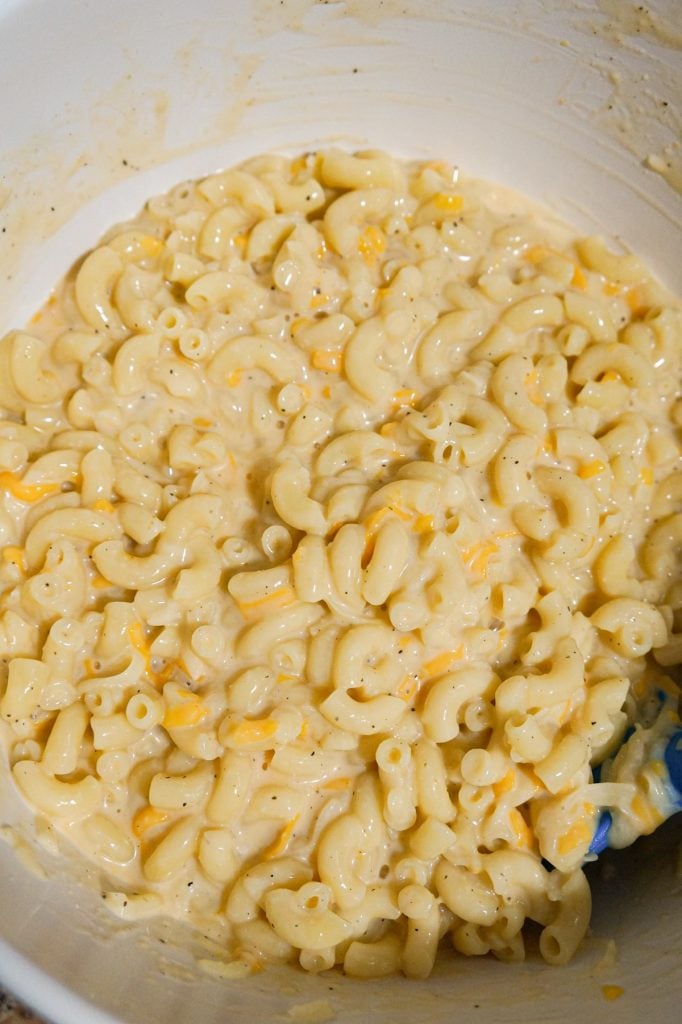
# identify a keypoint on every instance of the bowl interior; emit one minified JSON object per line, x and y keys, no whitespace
{"x":571,"y":103}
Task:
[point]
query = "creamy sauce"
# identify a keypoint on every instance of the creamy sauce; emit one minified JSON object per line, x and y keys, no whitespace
{"x":334,"y":550}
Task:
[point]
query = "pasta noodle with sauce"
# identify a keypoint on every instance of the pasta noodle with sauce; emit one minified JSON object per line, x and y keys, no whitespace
{"x":341,"y":517}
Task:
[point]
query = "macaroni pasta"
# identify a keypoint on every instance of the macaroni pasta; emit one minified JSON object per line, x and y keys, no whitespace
{"x":341,"y":523}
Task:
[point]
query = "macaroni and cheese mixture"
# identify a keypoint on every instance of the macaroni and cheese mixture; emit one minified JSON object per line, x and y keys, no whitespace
{"x":340,"y":511}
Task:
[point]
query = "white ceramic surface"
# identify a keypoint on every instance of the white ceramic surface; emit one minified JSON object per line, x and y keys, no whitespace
{"x":103,"y":104}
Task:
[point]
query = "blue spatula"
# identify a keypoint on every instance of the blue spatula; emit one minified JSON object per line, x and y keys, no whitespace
{"x":669,"y":751}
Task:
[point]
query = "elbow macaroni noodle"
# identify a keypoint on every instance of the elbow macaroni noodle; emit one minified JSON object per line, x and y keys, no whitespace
{"x":341,"y":527}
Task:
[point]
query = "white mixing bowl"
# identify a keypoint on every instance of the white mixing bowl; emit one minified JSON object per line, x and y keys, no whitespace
{"x":105,"y":104}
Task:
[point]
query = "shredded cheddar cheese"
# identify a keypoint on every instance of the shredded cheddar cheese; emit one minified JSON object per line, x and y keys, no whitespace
{"x":423,"y":524}
{"x":337,"y":784}
{"x":282,"y":597}
{"x":522,"y":833}
{"x":253,"y":731}
{"x":591,"y":469}
{"x":635,"y":301}
{"x":505,"y":784}
{"x":326,"y":360}
{"x":578,"y":834}
{"x":138,"y":639}
{"x":448,"y":202}
{"x":388,"y":429}
{"x":579,"y":280}
{"x":152,"y":246}
{"x":298,"y":324}
{"x":282,"y":841}
{"x":374,"y":521}
{"x":15,"y":556}
{"x":189,"y":712}
{"x":649,"y":816}
{"x":532,"y":387}
{"x":441,"y":663}
{"x":26,"y":492}
{"x":480,"y":556}
{"x":146,"y":818}
{"x":405,"y":397}
{"x":407,"y":689}
{"x":371,"y":245}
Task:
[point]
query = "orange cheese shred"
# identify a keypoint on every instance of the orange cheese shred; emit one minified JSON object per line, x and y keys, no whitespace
{"x":282,"y":597}
{"x":577,"y":834}
{"x":26,"y":492}
{"x":146,"y":818}
{"x":188,"y":713}
{"x":327,"y":360}
{"x":441,"y":663}
{"x":591,"y":469}
{"x":407,"y":689}
{"x":579,"y":280}
{"x":649,"y":816}
{"x":337,"y":784}
{"x":522,"y":832}
{"x":14,"y":556}
{"x":252,"y":731}
{"x":282,"y":841}
{"x":505,"y":784}
{"x":371,"y":245}
{"x":450,"y":202}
